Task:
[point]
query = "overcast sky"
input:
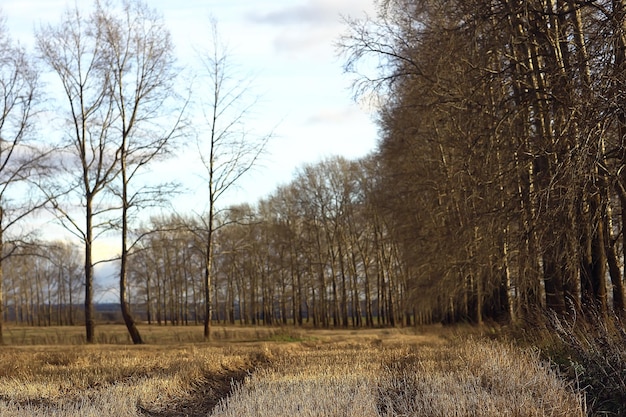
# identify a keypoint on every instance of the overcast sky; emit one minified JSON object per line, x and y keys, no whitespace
{"x":288,"y":46}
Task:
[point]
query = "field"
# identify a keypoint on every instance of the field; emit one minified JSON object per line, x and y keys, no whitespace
{"x":276,"y":372}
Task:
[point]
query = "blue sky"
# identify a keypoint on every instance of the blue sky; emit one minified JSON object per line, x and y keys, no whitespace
{"x":288,"y":48}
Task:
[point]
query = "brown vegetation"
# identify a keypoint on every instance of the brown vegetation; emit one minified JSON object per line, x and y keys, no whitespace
{"x":341,"y":373}
{"x":590,"y":354}
{"x":502,"y":151}
{"x":498,"y":193}
{"x":497,"y":190}
{"x":118,"y":381}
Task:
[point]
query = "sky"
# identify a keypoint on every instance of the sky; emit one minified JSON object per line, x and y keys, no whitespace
{"x":288,"y":49}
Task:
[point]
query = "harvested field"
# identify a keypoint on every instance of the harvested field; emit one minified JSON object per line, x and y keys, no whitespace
{"x":326,"y":373}
{"x":477,"y":378}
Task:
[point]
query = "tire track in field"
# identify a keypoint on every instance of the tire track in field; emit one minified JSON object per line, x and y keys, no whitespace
{"x":208,"y":392}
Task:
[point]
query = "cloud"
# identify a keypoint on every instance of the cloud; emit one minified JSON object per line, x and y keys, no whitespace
{"x":305,"y":27}
{"x":306,"y":13}
{"x":312,"y":12}
{"x":333,"y":116}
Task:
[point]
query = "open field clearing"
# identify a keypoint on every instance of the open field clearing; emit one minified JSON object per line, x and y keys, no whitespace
{"x":306,"y":373}
{"x":113,"y":334}
{"x":117,"y":334}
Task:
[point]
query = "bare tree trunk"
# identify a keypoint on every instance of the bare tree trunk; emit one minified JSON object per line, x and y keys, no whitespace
{"x":208,"y":301}
{"x":90,"y":323}
{"x":126,"y":313}
{"x":1,"y":286}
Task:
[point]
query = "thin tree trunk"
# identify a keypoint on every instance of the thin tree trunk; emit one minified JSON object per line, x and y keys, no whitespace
{"x":90,"y":323}
{"x":126,"y":313}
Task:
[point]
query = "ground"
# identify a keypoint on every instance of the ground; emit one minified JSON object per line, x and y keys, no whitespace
{"x":277,"y":372}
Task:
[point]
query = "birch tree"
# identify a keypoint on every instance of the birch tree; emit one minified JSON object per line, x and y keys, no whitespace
{"x":228,"y":149}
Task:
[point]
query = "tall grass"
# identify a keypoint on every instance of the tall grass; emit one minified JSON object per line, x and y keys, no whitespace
{"x":592,"y":353}
{"x":474,"y":378}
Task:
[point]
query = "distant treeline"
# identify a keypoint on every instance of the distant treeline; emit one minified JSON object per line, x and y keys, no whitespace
{"x":109,"y":313}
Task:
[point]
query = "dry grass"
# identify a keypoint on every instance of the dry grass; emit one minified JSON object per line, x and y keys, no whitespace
{"x":590,"y":352}
{"x":473,"y":378}
{"x":296,"y":373}
{"x":115,"y":381}
{"x":115,"y":334}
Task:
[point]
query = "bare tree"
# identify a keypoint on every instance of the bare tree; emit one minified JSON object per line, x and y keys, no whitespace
{"x":76,"y":51}
{"x":139,"y":55}
{"x":116,"y":67}
{"x":65,"y":258}
{"x":227,"y":149}
{"x":21,"y":162}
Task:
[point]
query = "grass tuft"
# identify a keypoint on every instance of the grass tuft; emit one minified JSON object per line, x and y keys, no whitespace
{"x":592,"y":354}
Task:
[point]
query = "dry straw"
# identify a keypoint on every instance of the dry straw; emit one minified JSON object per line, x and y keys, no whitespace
{"x":353,"y":376}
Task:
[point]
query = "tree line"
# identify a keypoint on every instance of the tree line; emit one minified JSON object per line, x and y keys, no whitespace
{"x":503,"y":150}
{"x":315,"y":252}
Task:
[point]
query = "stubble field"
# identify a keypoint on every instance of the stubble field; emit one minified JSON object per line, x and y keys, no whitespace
{"x":277,"y":372}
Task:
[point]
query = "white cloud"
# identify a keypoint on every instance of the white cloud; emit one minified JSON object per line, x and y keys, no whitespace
{"x":312,"y":12}
{"x":327,"y":117}
{"x":308,"y":25}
